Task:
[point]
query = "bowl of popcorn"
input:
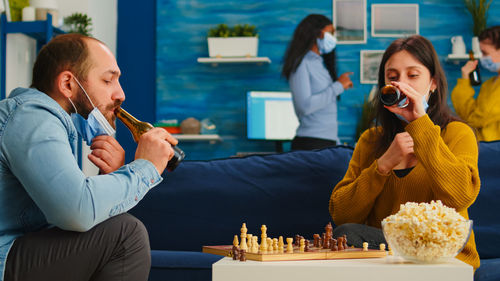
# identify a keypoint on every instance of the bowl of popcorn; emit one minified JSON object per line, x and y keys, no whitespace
{"x":426,"y":232}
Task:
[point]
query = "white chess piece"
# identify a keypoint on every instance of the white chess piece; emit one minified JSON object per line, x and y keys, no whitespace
{"x":243,"y":243}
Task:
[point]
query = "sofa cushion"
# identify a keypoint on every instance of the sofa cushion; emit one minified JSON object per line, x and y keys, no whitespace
{"x":488,"y":271}
{"x":484,"y":212}
{"x":205,"y":202}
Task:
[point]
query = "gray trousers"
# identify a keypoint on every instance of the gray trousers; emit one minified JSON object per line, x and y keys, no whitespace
{"x":358,"y":233}
{"x":116,"y":249}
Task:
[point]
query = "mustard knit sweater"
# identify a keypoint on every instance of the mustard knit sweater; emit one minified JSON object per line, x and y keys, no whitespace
{"x":446,"y":170}
{"x":482,"y":113}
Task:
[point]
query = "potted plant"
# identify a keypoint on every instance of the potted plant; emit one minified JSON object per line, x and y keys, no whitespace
{"x":367,"y":113}
{"x":78,"y":23}
{"x":237,"y":41}
{"x":479,"y":10}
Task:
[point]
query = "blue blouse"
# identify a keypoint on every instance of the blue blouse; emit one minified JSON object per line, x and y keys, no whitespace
{"x":315,"y":98}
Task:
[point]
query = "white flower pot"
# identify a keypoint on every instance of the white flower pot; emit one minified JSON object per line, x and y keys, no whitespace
{"x":232,"y":46}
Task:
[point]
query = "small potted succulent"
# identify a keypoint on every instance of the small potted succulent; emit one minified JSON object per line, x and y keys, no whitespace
{"x":237,"y":41}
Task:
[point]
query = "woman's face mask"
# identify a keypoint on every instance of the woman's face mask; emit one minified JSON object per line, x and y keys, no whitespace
{"x":488,"y":64}
{"x":327,"y":44}
{"x":95,"y":125}
{"x":424,"y":103}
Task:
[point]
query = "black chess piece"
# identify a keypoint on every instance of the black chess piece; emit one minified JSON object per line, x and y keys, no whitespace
{"x":243,"y":255}
{"x":235,"y":252}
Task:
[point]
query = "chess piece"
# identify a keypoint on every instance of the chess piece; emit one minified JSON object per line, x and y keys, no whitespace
{"x":255,"y":245}
{"x":302,"y":245}
{"x":328,"y":231}
{"x":249,"y":242}
{"x":306,"y":246}
{"x":316,"y":240}
{"x":344,"y":240}
{"x":340,"y":243}
{"x":333,"y":245}
{"x":365,"y":246}
{"x":382,"y":247}
{"x":269,"y":245}
{"x":243,"y":255}
{"x":296,"y":240}
{"x":323,"y":238}
{"x":289,"y":246}
{"x":235,"y":252}
{"x":243,"y":244}
{"x":275,"y":245}
{"x":263,"y":239}
{"x":281,"y":245}
{"x":235,"y":241}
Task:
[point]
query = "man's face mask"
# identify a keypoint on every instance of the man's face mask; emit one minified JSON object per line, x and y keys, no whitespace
{"x":95,"y":125}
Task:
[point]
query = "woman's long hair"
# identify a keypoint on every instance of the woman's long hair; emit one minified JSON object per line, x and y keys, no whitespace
{"x":304,"y":38}
{"x":439,"y":112}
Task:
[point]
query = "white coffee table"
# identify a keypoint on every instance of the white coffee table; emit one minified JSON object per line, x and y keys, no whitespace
{"x":384,"y":269}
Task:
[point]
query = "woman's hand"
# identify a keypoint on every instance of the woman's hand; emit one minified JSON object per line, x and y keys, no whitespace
{"x":345,"y":80}
{"x":399,"y":154}
{"x":468,"y":68}
{"x":415,"y":108}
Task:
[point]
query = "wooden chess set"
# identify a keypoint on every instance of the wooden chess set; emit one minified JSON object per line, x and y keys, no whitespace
{"x":323,"y":247}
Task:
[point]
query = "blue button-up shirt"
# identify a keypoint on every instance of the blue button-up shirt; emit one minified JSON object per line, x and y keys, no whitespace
{"x":40,"y":182}
{"x":314,"y":97}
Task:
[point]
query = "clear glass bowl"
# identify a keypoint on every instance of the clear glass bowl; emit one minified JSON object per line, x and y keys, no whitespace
{"x":434,"y":241}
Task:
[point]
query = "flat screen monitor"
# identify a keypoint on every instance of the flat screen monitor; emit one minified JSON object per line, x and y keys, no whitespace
{"x":270,"y":116}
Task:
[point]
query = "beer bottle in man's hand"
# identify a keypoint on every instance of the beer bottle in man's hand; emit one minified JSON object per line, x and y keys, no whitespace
{"x":137,"y":128}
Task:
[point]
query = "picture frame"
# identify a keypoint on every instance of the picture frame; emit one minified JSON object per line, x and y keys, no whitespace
{"x":6,"y":8}
{"x":349,"y":20}
{"x":369,"y":65}
{"x":395,"y":20}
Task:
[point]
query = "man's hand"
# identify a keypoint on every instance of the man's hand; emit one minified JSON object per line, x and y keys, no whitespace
{"x":156,"y":146}
{"x":107,"y":154}
{"x":399,"y":154}
{"x":345,"y":80}
{"x":468,"y":68}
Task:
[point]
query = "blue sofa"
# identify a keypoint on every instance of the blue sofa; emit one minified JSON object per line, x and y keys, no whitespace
{"x":205,"y":203}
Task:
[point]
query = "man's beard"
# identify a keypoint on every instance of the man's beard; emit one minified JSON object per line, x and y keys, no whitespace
{"x":84,"y":107}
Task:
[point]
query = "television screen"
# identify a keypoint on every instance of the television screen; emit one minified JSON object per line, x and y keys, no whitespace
{"x":270,"y":116}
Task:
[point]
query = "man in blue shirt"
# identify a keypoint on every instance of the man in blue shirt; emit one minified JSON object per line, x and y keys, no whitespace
{"x":56,"y":223}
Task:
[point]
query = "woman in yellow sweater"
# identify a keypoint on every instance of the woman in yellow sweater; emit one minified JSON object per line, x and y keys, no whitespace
{"x":417,"y":152}
{"x":482,"y":113}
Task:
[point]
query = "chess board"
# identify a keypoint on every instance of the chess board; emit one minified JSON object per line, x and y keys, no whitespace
{"x":313,"y":254}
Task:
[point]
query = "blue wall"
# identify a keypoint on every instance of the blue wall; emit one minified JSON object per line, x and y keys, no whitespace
{"x":185,"y":88}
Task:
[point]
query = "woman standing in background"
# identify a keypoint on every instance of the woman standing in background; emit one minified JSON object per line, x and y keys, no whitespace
{"x":482,"y":113}
{"x":309,"y":67}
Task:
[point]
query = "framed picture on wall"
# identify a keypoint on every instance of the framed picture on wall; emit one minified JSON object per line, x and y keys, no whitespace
{"x":369,"y":64}
{"x":349,"y":20}
{"x":394,"y":20}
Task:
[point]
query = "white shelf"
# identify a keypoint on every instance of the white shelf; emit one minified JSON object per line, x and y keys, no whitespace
{"x":460,"y":58}
{"x":216,"y":61}
{"x":189,"y":137}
